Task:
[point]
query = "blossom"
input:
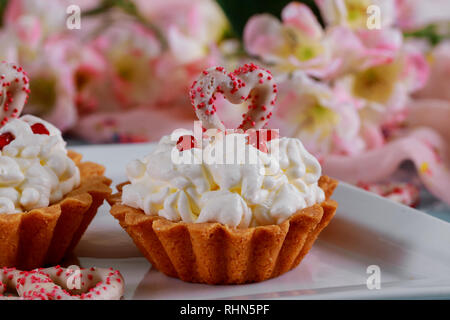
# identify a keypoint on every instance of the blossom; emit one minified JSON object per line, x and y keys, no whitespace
{"x":354,"y":13}
{"x":416,"y":14}
{"x":357,"y":50}
{"x":130,"y":51}
{"x":199,"y":20}
{"x":296,"y":43}
{"x":383,"y":90}
{"x":51,"y":19}
{"x":89,"y":75}
{"x":359,"y":118}
{"x":31,"y":37}
{"x":128,"y":68}
{"x":141,"y":72}
{"x":190,"y":27}
{"x":325,"y":122}
{"x":52,"y":90}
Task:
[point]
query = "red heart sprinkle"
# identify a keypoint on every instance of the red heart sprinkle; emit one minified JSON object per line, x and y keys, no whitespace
{"x":39,"y":128}
{"x":5,"y":139}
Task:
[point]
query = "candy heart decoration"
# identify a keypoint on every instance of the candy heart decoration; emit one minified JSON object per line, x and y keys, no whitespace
{"x":14,"y":90}
{"x":53,"y":283}
{"x":248,"y":83}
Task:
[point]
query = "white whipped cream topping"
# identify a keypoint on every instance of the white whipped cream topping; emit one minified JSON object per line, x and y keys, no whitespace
{"x":35,"y":170}
{"x":267,"y":191}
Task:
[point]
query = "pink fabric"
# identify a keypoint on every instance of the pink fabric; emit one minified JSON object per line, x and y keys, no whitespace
{"x":422,"y":146}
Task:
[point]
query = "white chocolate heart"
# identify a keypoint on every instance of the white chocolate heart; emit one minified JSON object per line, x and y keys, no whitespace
{"x":14,"y":90}
{"x":54,"y":283}
{"x":248,"y":83}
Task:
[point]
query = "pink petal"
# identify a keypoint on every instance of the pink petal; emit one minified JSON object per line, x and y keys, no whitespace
{"x":263,"y":36}
{"x":320,"y":67}
{"x":422,"y":147}
{"x":301,"y":17}
{"x":365,"y":48}
{"x":333,"y":12}
{"x":13,"y":11}
{"x":29,"y":30}
{"x":416,"y":70}
{"x":387,"y":39}
{"x":416,"y":14}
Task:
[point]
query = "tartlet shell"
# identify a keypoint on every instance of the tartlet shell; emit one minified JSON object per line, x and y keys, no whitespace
{"x":214,"y":253}
{"x":44,"y":236}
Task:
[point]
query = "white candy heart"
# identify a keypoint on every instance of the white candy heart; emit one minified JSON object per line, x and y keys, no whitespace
{"x":54,"y":283}
{"x":14,"y":90}
{"x":248,"y":83}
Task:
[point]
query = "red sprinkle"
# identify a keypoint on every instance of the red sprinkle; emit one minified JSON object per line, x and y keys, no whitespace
{"x":5,"y":139}
{"x":39,"y":128}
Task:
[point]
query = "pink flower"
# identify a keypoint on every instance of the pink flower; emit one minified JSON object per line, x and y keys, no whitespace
{"x":140,"y":71}
{"x":416,"y":14}
{"x":201,"y":21}
{"x":127,"y":68}
{"x":311,"y":111}
{"x":362,"y":49}
{"x":52,"y":89}
{"x":131,"y":53}
{"x":90,"y":77}
{"x":354,"y":13}
{"x":384,"y":90}
{"x":51,"y":19}
{"x":300,"y":43}
{"x":35,"y":37}
{"x":296,"y":43}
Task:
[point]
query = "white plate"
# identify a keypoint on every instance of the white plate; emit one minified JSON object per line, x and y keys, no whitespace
{"x":411,"y":249}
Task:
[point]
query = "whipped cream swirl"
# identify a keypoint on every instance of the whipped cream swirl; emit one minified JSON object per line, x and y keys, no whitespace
{"x":267,"y":190}
{"x":35,"y":170}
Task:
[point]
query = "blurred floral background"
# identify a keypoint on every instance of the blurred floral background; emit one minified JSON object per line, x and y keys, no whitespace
{"x":372,"y":104}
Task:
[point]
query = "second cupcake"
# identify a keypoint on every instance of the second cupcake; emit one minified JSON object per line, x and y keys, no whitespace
{"x":48,"y":196}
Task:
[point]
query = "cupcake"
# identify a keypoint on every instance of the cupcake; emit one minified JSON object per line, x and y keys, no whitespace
{"x":48,"y":196}
{"x":226,"y":206}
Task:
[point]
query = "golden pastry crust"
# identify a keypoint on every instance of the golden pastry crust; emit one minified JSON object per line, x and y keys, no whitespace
{"x":44,"y":236}
{"x":214,"y":253}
